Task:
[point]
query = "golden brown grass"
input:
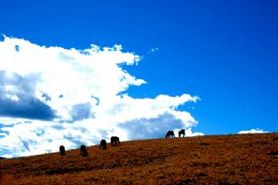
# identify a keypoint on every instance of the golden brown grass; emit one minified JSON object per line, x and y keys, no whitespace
{"x":233,"y":159}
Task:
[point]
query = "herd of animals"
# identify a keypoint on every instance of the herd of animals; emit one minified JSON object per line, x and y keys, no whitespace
{"x":115,"y":141}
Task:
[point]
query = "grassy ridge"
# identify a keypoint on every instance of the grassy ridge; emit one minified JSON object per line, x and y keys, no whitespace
{"x":234,"y":159}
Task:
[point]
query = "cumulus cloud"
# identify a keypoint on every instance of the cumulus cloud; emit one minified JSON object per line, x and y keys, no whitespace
{"x":51,"y":96}
{"x":253,"y":131}
{"x":17,"y":100}
{"x":153,"y":50}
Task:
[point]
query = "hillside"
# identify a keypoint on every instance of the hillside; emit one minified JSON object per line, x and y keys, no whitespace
{"x":231,"y":159}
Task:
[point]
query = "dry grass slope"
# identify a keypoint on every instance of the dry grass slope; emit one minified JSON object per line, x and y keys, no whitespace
{"x":222,"y":160}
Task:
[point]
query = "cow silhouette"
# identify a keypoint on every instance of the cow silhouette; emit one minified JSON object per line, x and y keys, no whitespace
{"x":115,"y":140}
{"x":182,"y":133}
{"x":102,"y":144}
{"x":83,"y":151}
{"x":169,"y":134}
{"x":62,"y":150}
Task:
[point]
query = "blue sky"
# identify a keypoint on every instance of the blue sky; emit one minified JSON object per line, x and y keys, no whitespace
{"x":224,"y":52}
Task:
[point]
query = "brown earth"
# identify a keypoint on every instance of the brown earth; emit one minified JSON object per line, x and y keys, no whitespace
{"x":220,"y":160}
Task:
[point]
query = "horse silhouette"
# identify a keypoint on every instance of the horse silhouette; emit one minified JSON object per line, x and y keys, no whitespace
{"x":102,"y":144}
{"x":182,"y":133}
{"x":169,"y":134}
{"x":83,"y":151}
{"x":115,"y":140}
{"x":62,"y":150}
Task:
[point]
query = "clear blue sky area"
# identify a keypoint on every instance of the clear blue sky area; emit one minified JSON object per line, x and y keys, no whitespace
{"x":225,"y":52}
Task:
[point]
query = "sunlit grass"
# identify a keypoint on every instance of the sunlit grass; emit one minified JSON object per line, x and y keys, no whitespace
{"x":235,"y":159}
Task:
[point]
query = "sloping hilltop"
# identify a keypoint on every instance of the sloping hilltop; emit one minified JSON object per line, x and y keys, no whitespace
{"x":232,"y":159}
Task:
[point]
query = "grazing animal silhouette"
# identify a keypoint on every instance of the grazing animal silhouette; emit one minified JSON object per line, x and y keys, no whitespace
{"x":62,"y":150}
{"x":102,"y":144}
{"x":115,"y":140}
{"x":83,"y":151}
{"x":182,"y":133}
{"x":170,"y":133}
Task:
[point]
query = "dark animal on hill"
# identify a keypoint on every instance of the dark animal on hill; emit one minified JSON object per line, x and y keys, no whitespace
{"x":102,"y":144}
{"x":62,"y":150}
{"x":83,"y":151}
{"x":115,"y":140}
{"x":182,"y":133}
{"x":169,"y":134}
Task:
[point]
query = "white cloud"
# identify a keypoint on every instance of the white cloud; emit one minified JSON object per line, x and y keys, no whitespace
{"x":253,"y":131}
{"x":55,"y":96}
{"x":153,"y":50}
